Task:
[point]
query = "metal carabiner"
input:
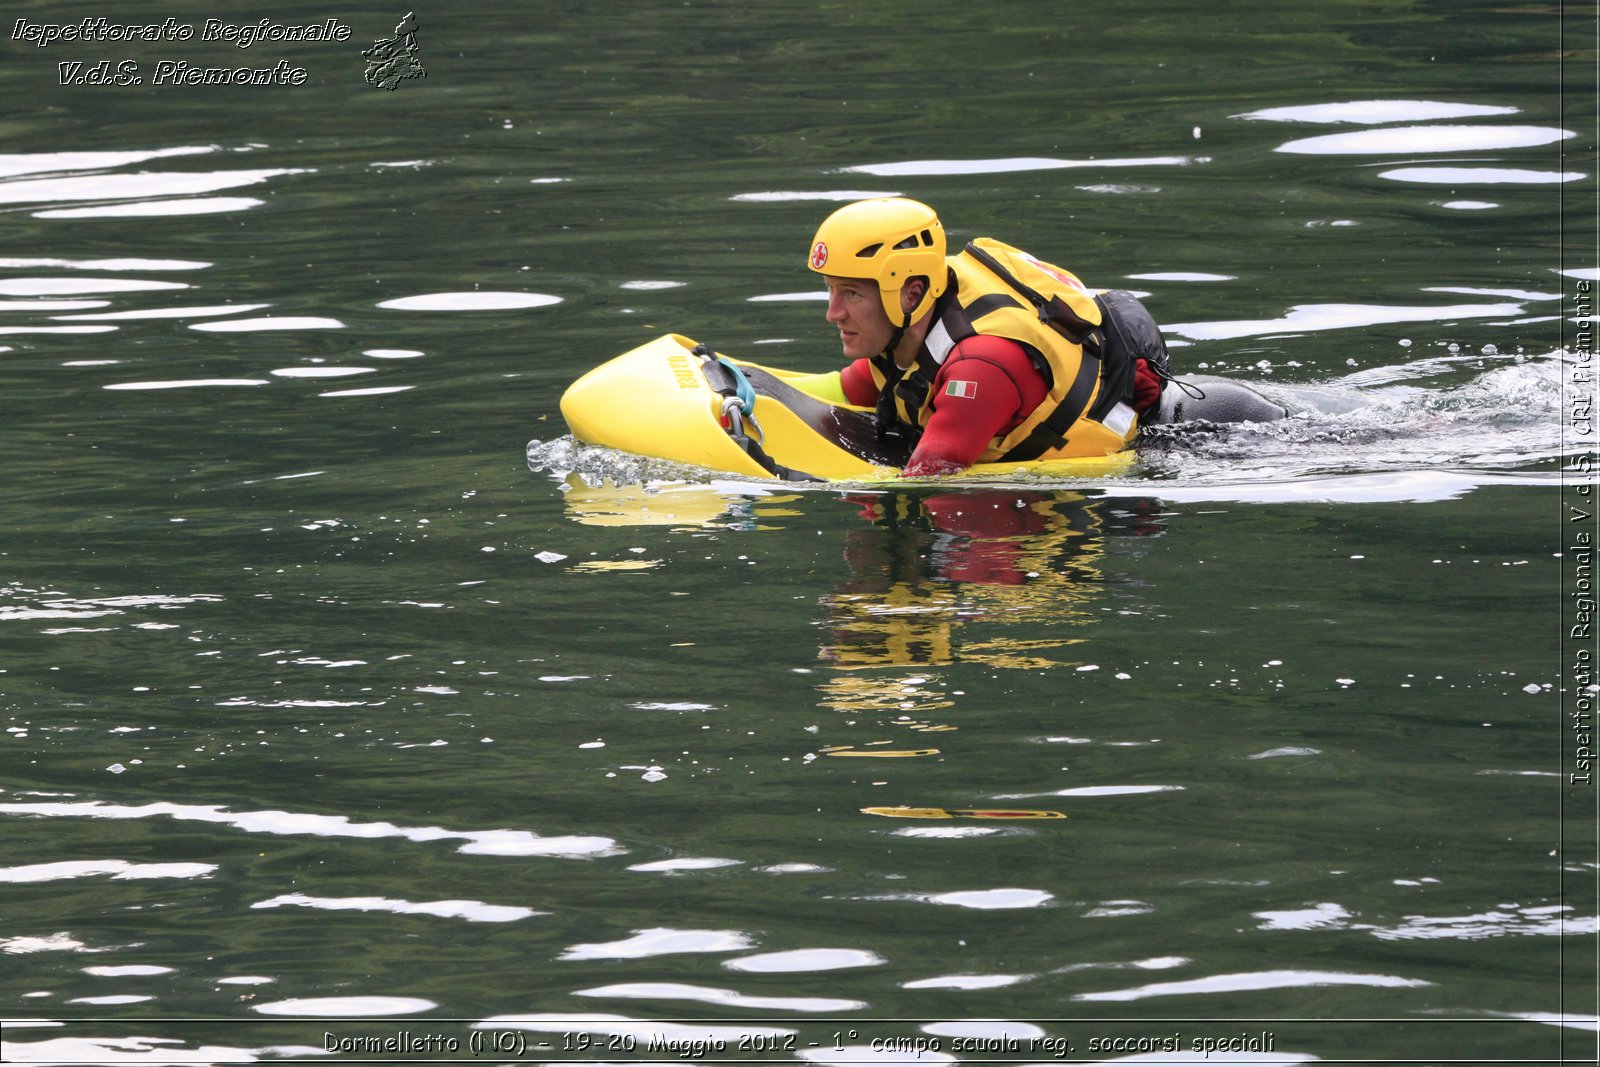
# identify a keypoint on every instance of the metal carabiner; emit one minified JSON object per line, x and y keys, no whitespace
{"x":733,"y":412}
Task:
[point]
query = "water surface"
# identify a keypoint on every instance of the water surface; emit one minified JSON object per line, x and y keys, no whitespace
{"x":345,"y":695}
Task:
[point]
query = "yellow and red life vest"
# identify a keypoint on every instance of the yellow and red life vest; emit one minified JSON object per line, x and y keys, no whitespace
{"x":1001,"y":291}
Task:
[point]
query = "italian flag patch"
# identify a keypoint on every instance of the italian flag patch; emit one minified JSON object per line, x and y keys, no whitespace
{"x":966,"y":389}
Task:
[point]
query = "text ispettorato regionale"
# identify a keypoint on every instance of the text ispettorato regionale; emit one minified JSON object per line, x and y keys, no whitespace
{"x":96,"y":29}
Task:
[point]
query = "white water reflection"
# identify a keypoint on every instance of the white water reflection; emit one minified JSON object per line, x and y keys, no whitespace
{"x":321,"y":372}
{"x":1571,"y":1020}
{"x":661,"y":941}
{"x":56,"y":329}
{"x":818,"y":295}
{"x":129,"y":263}
{"x":49,"y":162}
{"x":209,"y":205}
{"x":132,"y":970}
{"x":725,"y":998}
{"x":116,"y":869}
{"x":470,"y":910}
{"x":51,"y":305}
{"x":685,"y":863}
{"x":992,"y":899}
{"x":985,"y":1029}
{"x":1512,"y":294}
{"x":1505,"y":920}
{"x":72,"y":286}
{"x":472,"y":301}
{"x":479,"y":842}
{"x":377,"y":390}
{"x":186,"y":383}
{"x":164,"y":313}
{"x":805,"y":960}
{"x":60,"y":941}
{"x":346,"y":1007}
{"x":1317,"y":917}
{"x":1094,"y":791}
{"x":1011,"y":165}
{"x":1376,"y":111}
{"x":1251,"y":981}
{"x":1182,"y":276}
{"x":966,"y":981}
{"x":109,"y":1050}
{"x":813,"y":194}
{"x":143,"y":186}
{"x":1308,"y":318}
{"x":1481,"y":175}
{"x":270,"y":322}
{"x":54,"y":605}
{"x":1407,"y":139}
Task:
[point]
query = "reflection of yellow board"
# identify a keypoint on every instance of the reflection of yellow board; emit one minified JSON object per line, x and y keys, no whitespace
{"x":657,"y":400}
{"x":961,"y":813}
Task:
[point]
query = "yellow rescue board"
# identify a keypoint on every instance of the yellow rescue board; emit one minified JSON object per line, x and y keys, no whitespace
{"x":656,"y":400}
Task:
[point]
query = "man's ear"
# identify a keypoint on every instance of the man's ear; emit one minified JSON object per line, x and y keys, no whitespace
{"x":911,"y":293}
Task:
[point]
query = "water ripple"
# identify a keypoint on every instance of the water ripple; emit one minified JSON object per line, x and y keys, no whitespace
{"x":470,"y":910}
{"x":727,"y":998}
{"x":1427,"y":139}
{"x":48,"y":162}
{"x":473,"y":301}
{"x":270,"y":322}
{"x":1010,"y":165}
{"x":73,"y":286}
{"x":811,"y":194}
{"x":1250,"y":981}
{"x":805,"y":960}
{"x":1506,"y":920}
{"x":147,"y":186}
{"x":117,"y":869}
{"x":187,"y":383}
{"x":361,"y":1007}
{"x":1306,"y":318}
{"x":163,"y":313}
{"x":204,"y":205}
{"x":661,"y":941}
{"x":1376,"y":111}
{"x":1482,"y":175}
{"x":477,"y":842}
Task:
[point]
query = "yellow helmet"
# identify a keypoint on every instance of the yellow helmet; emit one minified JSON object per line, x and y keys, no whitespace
{"x":888,"y":240}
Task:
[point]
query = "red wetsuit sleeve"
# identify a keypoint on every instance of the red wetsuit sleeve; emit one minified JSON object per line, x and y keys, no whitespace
{"x":985,"y":388}
{"x":1146,"y":386}
{"x":856,"y":381}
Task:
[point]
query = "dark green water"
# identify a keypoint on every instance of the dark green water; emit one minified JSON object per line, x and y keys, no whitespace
{"x":345,"y":697}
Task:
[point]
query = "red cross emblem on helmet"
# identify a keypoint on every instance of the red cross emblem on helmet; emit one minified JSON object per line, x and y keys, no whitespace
{"x":819,"y":255}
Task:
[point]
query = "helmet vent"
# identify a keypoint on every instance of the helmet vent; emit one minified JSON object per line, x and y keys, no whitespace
{"x":869,"y":251}
{"x":909,"y":242}
{"x":927,"y":239}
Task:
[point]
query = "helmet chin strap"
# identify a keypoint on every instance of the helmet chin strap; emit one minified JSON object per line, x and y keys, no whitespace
{"x":896,"y":335}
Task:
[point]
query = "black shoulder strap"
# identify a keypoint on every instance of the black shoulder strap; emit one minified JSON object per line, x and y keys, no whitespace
{"x":1052,"y":310}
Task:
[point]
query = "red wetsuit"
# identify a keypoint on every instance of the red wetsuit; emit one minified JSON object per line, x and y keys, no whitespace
{"x":985,"y":387}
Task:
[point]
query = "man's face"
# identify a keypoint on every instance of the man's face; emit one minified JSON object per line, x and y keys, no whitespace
{"x":855,"y":308}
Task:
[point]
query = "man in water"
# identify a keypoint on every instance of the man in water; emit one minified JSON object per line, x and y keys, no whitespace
{"x":987,"y":355}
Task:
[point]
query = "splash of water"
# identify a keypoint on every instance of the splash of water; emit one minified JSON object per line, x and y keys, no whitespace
{"x":1425,"y":429}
